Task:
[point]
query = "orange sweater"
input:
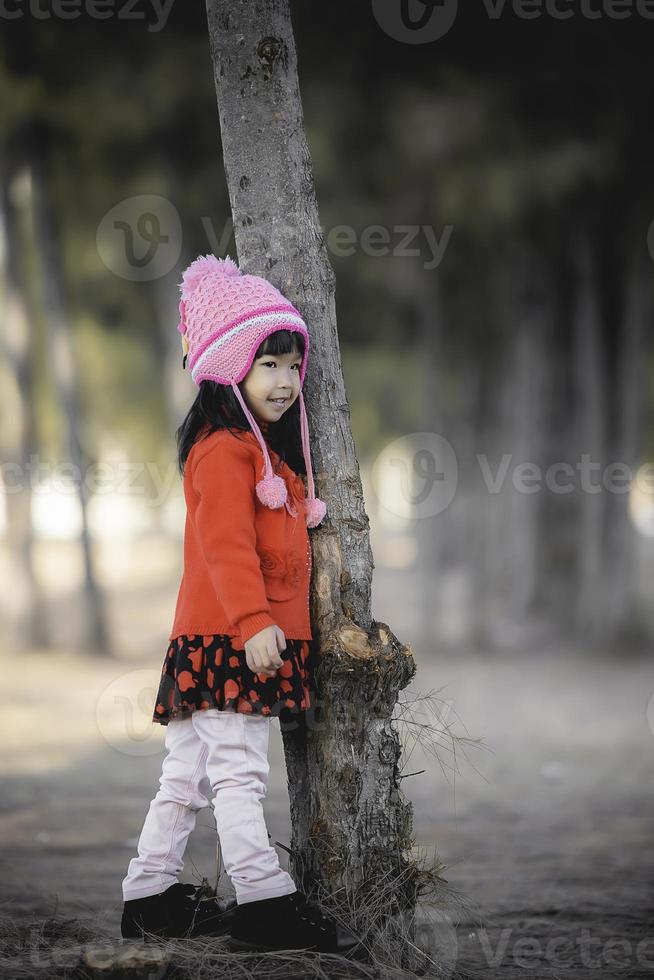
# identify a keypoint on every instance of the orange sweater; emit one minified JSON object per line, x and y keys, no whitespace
{"x":246,"y":566}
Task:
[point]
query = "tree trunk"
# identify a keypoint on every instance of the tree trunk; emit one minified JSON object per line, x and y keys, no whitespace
{"x":167,"y":350}
{"x":609,"y":346}
{"x":351,"y":823}
{"x":622,"y":537}
{"x":558,"y":545}
{"x":430,"y":534}
{"x":622,"y":347}
{"x":524,"y":304}
{"x":64,"y":371}
{"x":178,"y":387}
{"x":592,"y":435}
{"x":25,"y":619}
{"x":488,"y":444}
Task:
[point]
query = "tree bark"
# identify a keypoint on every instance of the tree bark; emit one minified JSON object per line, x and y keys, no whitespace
{"x":351,"y":823}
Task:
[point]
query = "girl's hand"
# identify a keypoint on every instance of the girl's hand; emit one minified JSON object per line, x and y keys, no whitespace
{"x":262,"y":651}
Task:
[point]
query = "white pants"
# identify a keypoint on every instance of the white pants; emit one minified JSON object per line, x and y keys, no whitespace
{"x":224,"y":753}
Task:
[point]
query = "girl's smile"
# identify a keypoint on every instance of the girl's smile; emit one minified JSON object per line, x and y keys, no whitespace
{"x":272,"y":385}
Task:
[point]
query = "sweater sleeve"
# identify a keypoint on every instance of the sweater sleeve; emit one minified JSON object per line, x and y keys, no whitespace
{"x":224,"y":479}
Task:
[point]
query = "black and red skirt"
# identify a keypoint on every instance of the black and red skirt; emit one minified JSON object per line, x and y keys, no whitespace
{"x":206,"y":672}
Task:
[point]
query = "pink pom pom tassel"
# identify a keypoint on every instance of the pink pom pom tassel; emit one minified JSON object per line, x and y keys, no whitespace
{"x":315,"y":509}
{"x":272,"y":492}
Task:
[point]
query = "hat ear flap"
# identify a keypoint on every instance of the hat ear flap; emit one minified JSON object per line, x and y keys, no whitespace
{"x":181,"y":326}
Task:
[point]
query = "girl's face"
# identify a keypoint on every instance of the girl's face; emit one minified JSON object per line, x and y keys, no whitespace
{"x":272,"y":376}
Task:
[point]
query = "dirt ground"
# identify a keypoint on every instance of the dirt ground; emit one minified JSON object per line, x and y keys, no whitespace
{"x":546,"y":828}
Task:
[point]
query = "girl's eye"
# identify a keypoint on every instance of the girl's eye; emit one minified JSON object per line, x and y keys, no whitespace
{"x":266,"y":363}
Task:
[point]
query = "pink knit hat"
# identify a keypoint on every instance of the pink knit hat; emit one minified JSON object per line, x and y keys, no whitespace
{"x":224,"y":316}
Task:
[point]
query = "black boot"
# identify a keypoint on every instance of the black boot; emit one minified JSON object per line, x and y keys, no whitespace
{"x":177,"y":912}
{"x":291,"y":922}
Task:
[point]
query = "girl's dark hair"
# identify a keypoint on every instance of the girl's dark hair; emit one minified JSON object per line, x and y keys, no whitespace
{"x":217,"y":407}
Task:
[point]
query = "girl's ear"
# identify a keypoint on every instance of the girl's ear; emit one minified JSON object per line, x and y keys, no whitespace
{"x":185,"y":350}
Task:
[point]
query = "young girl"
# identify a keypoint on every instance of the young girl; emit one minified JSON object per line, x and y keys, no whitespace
{"x":241,"y":648}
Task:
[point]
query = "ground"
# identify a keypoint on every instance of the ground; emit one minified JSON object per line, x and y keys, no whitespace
{"x":553,"y":844}
{"x":546,"y":829}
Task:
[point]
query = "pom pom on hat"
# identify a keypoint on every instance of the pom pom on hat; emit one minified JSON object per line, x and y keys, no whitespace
{"x":203,"y":266}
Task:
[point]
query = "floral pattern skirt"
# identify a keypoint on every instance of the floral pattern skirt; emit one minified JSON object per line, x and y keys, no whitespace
{"x":206,"y":672}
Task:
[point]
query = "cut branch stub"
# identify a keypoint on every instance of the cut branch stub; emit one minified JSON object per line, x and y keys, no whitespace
{"x":365,"y":668}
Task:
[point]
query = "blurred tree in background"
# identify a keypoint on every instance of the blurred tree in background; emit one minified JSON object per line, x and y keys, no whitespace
{"x":487,"y":203}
